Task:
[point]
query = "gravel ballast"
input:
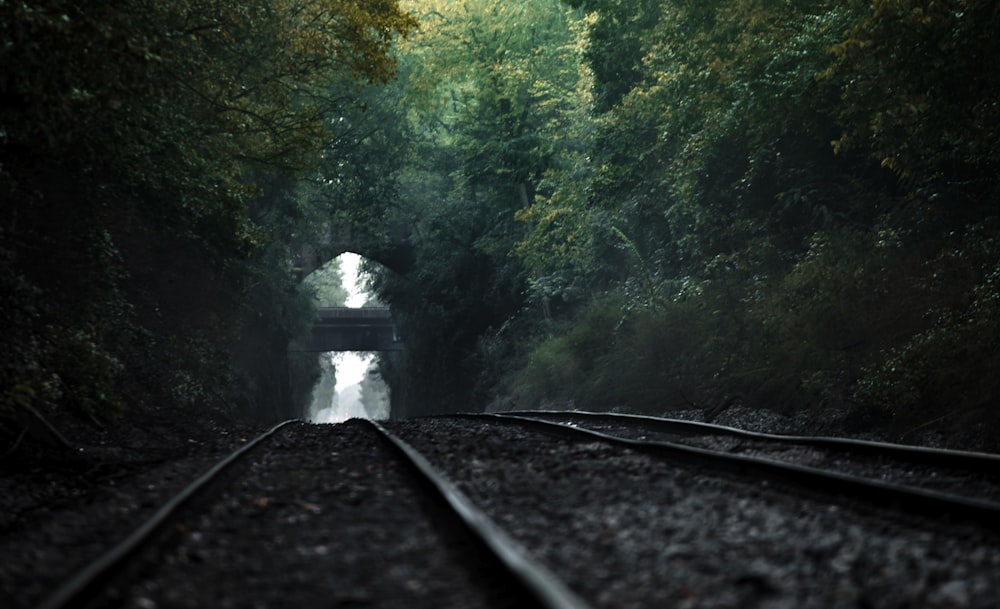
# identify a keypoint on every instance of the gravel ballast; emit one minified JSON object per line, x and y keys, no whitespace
{"x":927,"y":474}
{"x":628,"y":530}
{"x":60,"y":511}
{"x":622,"y":529}
{"x":326,"y":517}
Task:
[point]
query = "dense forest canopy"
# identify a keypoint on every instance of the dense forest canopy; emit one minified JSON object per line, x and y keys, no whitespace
{"x":785,"y":204}
{"x":158,"y":171}
{"x":644,"y":205}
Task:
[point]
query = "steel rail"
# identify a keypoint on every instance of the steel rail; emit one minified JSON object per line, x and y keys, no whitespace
{"x":960,"y":459}
{"x":918,"y":501}
{"x":88,"y":583}
{"x":534,"y":578}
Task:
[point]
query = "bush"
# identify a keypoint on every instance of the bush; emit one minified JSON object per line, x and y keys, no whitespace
{"x":637,"y":359}
{"x":555,"y":370}
{"x":945,"y":374}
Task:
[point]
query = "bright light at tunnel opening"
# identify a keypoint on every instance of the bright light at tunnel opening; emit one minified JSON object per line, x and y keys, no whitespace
{"x":349,"y":264}
{"x":352,"y":367}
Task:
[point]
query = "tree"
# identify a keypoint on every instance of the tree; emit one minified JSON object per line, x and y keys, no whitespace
{"x":616,"y":44}
{"x":137,"y":141}
{"x":489,"y":88}
{"x":790,"y":202}
{"x":919,"y":87}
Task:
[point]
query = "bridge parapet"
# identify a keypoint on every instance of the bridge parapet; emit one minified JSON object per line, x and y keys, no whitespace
{"x":352,"y":329}
{"x":335,"y":313}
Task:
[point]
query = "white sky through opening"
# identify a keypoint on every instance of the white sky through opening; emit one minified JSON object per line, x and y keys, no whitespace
{"x":351,"y":366}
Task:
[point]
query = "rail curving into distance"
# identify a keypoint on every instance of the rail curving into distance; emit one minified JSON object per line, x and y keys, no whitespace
{"x":921,"y":501}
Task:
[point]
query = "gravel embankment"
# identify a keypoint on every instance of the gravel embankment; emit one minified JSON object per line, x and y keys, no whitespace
{"x":630,"y":531}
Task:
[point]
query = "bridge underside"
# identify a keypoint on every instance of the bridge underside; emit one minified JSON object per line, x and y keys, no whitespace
{"x":352,"y":339}
{"x":346,"y":329}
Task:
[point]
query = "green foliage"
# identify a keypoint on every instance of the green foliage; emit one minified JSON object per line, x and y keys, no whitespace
{"x":558,"y":366}
{"x":809,"y":331}
{"x":860,"y":321}
{"x":73,"y":358}
{"x":328,"y":285}
{"x":147,"y":155}
{"x":752,"y":257}
{"x":942,"y":372}
{"x":788,"y":201}
{"x":917,"y":88}
{"x":489,"y":85}
{"x":23,"y":373}
{"x":645,"y":360}
{"x":616,"y":44}
{"x":672,"y":353}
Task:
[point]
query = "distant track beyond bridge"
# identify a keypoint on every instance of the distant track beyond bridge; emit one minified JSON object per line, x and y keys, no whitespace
{"x":351,"y":329}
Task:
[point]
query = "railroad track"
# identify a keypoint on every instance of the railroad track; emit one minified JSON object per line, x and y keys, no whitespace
{"x":517,"y":511}
{"x":926,"y":481}
{"x":640,"y":523}
{"x":318,"y":516}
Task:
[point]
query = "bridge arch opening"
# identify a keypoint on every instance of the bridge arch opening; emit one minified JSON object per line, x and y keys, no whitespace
{"x":349,"y":328}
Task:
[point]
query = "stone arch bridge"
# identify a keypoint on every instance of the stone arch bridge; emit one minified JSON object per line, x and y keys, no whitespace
{"x":353,"y":329}
{"x":389,"y":247}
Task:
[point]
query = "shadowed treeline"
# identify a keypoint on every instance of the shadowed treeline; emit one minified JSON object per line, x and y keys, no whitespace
{"x":646,"y":205}
{"x":159,"y":167}
{"x":785,"y":205}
